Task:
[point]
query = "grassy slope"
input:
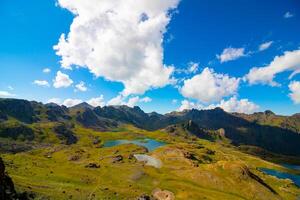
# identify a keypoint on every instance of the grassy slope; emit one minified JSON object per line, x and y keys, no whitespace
{"x":49,"y":172}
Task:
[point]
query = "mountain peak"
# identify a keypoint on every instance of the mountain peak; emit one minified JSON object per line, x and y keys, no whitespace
{"x":82,"y":105}
{"x":269,"y":112}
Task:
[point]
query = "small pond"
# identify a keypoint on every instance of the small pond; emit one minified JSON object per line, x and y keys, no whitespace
{"x":282,"y":175}
{"x":150,"y":144}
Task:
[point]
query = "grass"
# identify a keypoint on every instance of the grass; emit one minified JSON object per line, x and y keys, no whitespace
{"x":52,"y":174}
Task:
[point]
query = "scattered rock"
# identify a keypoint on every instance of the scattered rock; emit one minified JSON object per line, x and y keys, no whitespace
{"x":189,"y":155}
{"x":144,"y":197}
{"x":48,"y":155}
{"x":131,"y":156}
{"x":159,"y":194}
{"x":74,"y":157}
{"x":96,"y":140}
{"x":117,"y":159}
{"x":210,"y":152}
{"x":77,"y":156}
{"x":117,"y":151}
{"x":92,"y":165}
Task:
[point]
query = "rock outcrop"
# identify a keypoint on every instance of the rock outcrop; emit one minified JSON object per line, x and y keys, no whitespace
{"x":7,"y":188}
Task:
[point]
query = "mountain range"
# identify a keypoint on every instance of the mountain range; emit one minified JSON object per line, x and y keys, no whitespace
{"x":275,"y":133}
{"x":50,"y":151}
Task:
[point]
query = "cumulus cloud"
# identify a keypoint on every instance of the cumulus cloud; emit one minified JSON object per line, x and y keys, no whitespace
{"x":72,"y":102}
{"x":231,"y":105}
{"x":118,"y":100}
{"x":235,"y":105}
{"x":209,"y":87}
{"x":131,"y":102}
{"x":265,"y":46}
{"x":188,"y":105}
{"x":119,"y":40}
{"x":289,"y":61}
{"x":288,"y":15}
{"x":146,"y":99}
{"x":81,"y":86}
{"x":55,"y":100}
{"x":5,"y":94}
{"x":41,"y":83}
{"x":230,"y":54}
{"x":97,"y":101}
{"x":191,"y":68}
{"x":46,"y":70}
{"x":294,"y":87}
{"x":62,"y":80}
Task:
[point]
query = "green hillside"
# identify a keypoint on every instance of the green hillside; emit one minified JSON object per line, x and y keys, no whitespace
{"x":60,"y":154}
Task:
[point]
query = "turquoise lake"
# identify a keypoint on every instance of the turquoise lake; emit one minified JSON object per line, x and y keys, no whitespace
{"x":283,"y":175}
{"x":150,"y":144}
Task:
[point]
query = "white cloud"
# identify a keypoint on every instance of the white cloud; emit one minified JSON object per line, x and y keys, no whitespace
{"x":265,"y":46}
{"x":193,"y":67}
{"x":62,"y":80}
{"x":72,"y":102}
{"x":235,"y":105}
{"x":230,"y":54}
{"x":209,"y":86}
{"x":10,"y":87}
{"x":55,"y":100}
{"x":146,"y":99}
{"x":133,"y":101}
{"x":174,"y":101}
{"x":81,"y":86}
{"x":97,"y":101}
{"x":294,"y":87}
{"x":41,"y":83}
{"x":46,"y":70}
{"x":231,"y":105}
{"x":5,"y":94}
{"x":119,"y":40}
{"x":288,"y":15}
{"x":188,"y":105}
{"x":118,"y":100}
{"x":289,"y":61}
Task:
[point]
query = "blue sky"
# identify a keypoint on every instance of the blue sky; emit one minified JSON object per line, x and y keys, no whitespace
{"x":196,"y":33}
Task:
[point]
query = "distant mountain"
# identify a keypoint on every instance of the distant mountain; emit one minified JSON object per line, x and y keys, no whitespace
{"x":190,"y":128}
{"x":279,"y":134}
{"x":241,"y":131}
{"x":21,"y":110}
{"x":82,"y":106}
{"x":89,"y":118}
{"x":269,"y":118}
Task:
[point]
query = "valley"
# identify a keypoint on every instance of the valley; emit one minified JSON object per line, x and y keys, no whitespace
{"x":59,"y":155}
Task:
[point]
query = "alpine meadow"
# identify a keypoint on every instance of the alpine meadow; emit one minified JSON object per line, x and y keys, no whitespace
{"x":150,"y":100}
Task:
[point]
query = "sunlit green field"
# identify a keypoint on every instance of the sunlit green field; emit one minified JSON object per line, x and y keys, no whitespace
{"x":215,"y":171}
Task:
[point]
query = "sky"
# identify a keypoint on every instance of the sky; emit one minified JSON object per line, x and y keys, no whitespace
{"x":161,"y":55}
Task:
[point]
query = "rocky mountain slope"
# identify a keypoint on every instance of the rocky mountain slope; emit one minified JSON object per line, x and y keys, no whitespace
{"x":55,"y":152}
{"x":7,"y":187}
{"x":275,"y":133}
